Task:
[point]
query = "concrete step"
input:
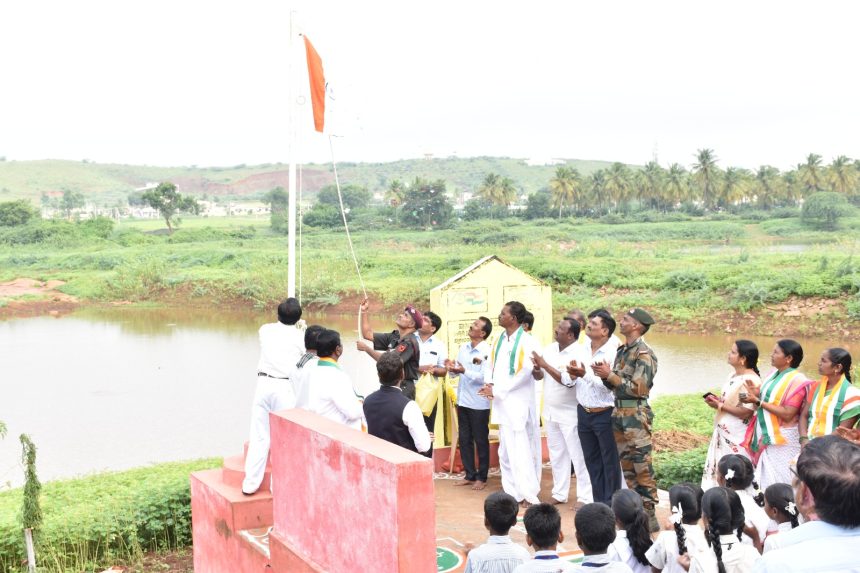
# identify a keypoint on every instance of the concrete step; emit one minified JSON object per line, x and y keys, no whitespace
{"x":233,"y":473}
{"x":227,"y":503}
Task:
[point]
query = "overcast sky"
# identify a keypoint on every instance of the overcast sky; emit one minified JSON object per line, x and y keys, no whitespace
{"x":185,"y":82}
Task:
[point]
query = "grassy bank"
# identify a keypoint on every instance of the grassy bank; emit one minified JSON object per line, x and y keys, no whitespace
{"x":694,"y":274}
{"x":688,"y":414}
{"x":97,"y":521}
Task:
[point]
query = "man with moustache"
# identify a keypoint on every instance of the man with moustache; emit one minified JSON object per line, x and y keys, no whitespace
{"x":631,"y":378}
{"x":509,"y":380}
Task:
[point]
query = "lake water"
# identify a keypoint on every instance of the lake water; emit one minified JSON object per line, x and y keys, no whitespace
{"x":120,"y":388}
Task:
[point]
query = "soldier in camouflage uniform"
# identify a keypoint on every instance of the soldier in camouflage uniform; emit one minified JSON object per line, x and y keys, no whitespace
{"x":631,"y":379}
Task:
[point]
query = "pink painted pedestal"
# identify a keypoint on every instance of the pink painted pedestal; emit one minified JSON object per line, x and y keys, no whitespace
{"x":344,"y":501}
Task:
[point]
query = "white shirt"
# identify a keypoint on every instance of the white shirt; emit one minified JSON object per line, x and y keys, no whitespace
{"x":498,"y":555}
{"x":590,"y":390}
{"x":664,"y":553}
{"x":559,"y":398}
{"x":770,"y":541}
{"x":281,"y":346}
{"x":514,"y":402}
{"x":814,"y":546}
{"x":754,"y":515}
{"x":413,"y":418}
{"x":433,"y":352}
{"x":300,"y":380}
{"x":604,"y":564}
{"x":536,"y":565}
{"x":621,"y":551}
{"x":330,"y":395}
{"x":738,"y":557}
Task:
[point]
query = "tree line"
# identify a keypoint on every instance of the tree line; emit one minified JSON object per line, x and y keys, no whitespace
{"x":704,"y":187}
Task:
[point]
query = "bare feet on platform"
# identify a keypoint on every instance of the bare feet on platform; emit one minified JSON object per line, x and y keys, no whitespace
{"x":578,"y":505}
{"x":525,"y":504}
{"x":554,"y":501}
{"x":479,"y":485}
{"x":463,"y":482}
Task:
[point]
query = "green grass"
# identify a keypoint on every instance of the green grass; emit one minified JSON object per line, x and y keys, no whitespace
{"x":684,"y":413}
{"x":93,"y":522}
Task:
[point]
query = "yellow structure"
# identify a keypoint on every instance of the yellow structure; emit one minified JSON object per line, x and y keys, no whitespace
{"x":482,"y":290}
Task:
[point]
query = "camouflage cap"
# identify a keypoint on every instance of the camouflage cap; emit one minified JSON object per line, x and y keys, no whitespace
{"x":640,"y":315}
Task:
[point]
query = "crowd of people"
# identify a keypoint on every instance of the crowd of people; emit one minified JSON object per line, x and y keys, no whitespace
{"x":782,"y":471}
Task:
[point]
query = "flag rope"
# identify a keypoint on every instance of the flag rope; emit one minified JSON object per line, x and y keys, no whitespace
{"x":299,"y":210}
{"x":343,"y":215}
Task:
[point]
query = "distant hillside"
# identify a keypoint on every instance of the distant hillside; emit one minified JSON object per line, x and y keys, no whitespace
{"x":108,"y":183}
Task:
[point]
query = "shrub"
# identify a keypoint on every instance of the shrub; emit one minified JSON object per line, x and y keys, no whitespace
{"x":100,"y":227}
{"x":14,"y":213}
{"x":91,"y":522}
{"x":671,"y":468}
{"x":686,"y":280}
{"x":825,"y":209}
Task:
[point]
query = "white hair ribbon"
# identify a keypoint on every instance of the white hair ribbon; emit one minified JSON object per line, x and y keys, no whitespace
{"x":730,"y":474}
{"x":676,"y":514}
{"x":791,"y":508}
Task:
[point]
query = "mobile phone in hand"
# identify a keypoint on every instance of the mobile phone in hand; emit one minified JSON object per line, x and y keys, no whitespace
{"x":709,"y":394}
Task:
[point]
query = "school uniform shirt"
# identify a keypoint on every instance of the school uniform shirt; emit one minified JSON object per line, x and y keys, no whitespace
{"x":755,"y":515}
{"x":621,"y":551}
{"x":498,"y":555}
{"x":663,"y":554}
{"x":601,"y":563}
{"x":738,"y":557}
{"x":545,"y":562}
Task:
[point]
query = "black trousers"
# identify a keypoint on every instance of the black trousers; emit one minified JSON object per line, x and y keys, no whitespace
{"x":474,"y":434}
{"x":600,"y":452}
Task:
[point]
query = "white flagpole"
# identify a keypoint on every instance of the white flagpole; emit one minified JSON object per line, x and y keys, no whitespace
{"x":291,"y":204}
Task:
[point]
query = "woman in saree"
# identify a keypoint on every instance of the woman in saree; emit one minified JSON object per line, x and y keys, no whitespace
{"x":772,"y":438}
{"x":732,"y":418}
{"x":831,"y":402}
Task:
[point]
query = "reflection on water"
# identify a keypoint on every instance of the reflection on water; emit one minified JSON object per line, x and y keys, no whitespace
{"x":119,"y":388}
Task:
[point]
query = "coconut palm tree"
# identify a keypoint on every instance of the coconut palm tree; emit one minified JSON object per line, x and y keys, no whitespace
{"x":597,"y":189}
{"x":566,"y":187}
{"x":618,"y":184}
{"x":651,"y":184}
{"x":677,"y":184}
{"x":734,"y":187}
{"x":395,"y":194}
{"x":497,"y":190}
{"x":769,"y":187}
{"x":843,"y":175}
{"x":706,"y":174}
{"x":810,"y":175}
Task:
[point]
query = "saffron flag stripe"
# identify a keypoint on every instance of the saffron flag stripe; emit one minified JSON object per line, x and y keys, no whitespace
{"x":317,"y":81}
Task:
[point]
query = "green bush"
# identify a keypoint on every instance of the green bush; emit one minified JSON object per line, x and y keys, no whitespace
{"x":671,"y":468}
{"x":686,"y":280}
{"x":92,"y":522}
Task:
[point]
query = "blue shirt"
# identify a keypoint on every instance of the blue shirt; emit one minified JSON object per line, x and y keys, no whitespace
{"x":473,"y":378}
{"x":814,"y":546}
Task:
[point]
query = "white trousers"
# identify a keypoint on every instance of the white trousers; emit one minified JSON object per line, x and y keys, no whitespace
{"x":271,"y":395}
{"x":520,"y":461}
{"x":564,"y":446}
